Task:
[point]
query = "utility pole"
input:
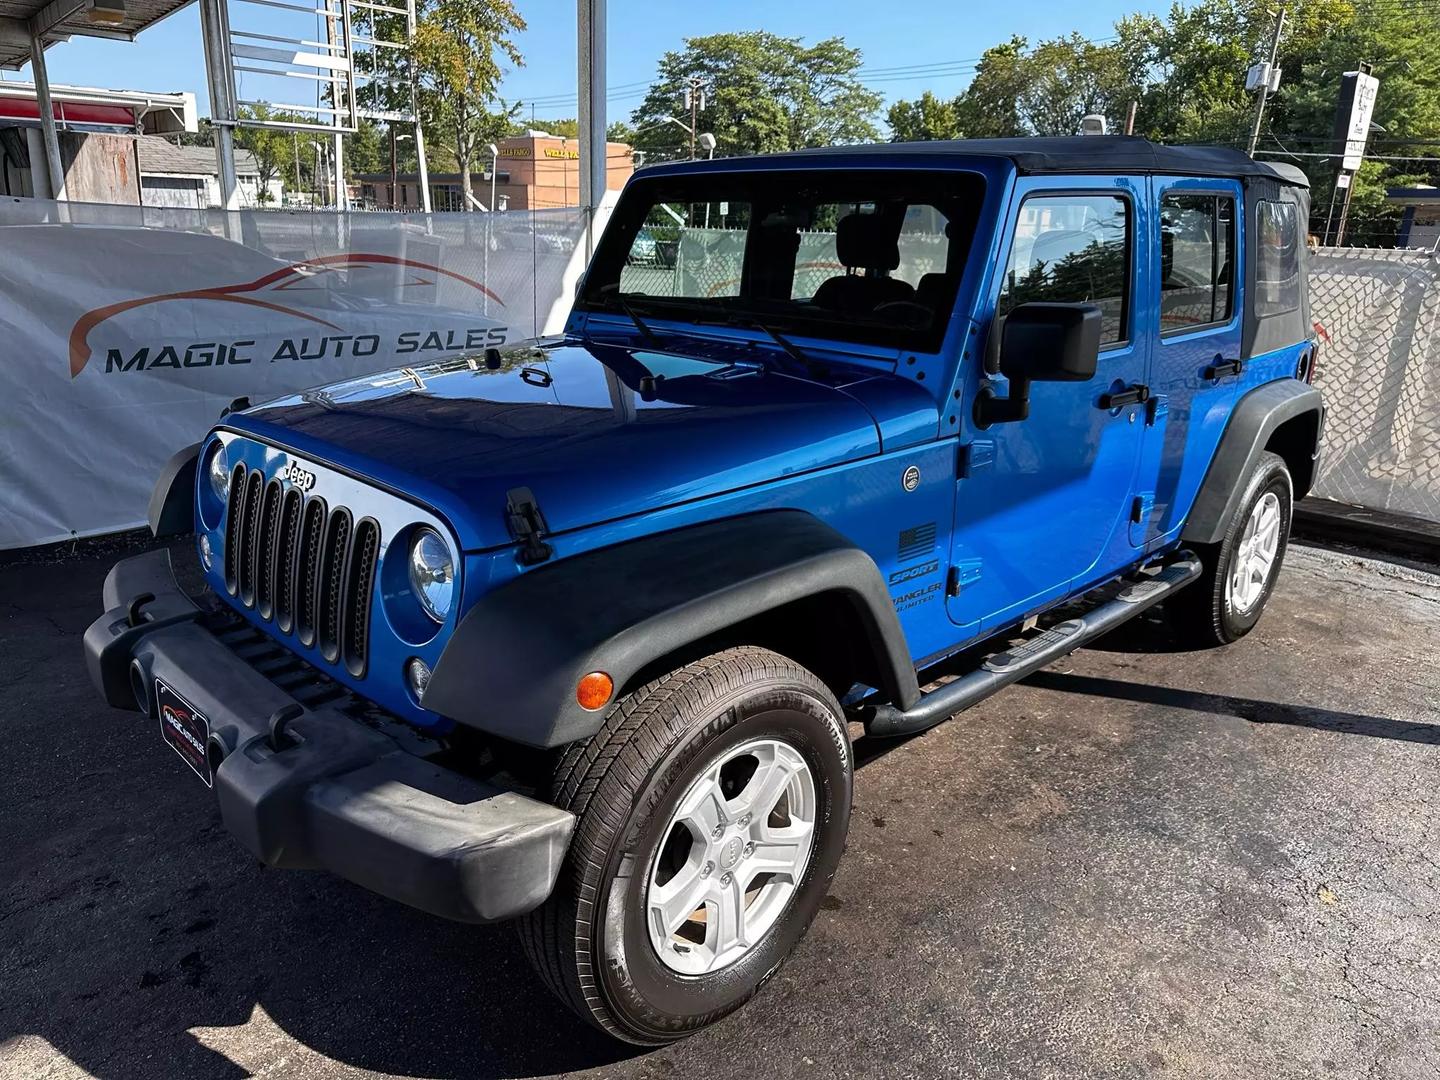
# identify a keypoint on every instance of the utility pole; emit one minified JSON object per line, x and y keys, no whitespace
{"x":1263,"y":91}
{"x":695,"y":99}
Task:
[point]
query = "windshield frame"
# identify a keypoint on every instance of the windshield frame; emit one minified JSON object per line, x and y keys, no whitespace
{"x":959,"y":195}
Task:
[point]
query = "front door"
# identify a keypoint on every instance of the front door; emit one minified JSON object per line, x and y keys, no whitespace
{"x":1044,"y":504}
{"x":1194,"y":315}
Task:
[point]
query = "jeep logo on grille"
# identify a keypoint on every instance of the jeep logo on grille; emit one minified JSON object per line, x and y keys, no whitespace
{"x":302,"y":478}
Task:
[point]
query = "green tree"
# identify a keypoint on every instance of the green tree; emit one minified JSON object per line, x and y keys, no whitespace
{"x":569,"y":128}
{"x":927,"y":118}
{"x":458,"y":50}
{"x":1022,"y":91}
{"x":1069,"y":78}
{"x":763,"y":93}
{"x":274,"y":148}
{"x":990,"y":106}
{"x":1186,"y":72}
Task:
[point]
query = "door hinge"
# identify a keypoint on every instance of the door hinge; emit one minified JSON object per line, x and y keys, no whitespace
{"x":975,"y":455}
{"x":966,"y":572}
{"x":1142,"y":506}
{"x":526,"y":523}
{"x":1156,"y":409}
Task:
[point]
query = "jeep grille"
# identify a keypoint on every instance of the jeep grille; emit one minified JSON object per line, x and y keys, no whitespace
{"x":306,"y":567}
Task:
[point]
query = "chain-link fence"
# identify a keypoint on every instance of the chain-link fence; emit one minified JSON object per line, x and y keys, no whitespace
{"x":707,"y":262}
{"x":1378,"y":315}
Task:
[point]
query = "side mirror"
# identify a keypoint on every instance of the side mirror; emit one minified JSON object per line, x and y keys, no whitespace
{"x":1041,"y":342}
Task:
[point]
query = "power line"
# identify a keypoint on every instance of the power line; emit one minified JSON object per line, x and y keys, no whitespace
{"x":1368,"y":157}
{"x":937,"y":69}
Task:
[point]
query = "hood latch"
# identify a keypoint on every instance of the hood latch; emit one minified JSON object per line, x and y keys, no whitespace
{"x":526,"y":522}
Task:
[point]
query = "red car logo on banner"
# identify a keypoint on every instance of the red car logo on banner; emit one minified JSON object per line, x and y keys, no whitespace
{"x":291,"y":277}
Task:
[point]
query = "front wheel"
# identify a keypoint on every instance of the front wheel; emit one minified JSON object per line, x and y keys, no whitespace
{"x":1240,"y":571}
{"x":712,"y":807}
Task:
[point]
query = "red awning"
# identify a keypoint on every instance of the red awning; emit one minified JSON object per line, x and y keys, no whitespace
{"x":24,"y":109}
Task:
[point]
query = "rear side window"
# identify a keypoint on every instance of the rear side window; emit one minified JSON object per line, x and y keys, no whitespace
{"x":1277,"y":258}
{"x":1072,"y":249}
{"x":1197,"y":244}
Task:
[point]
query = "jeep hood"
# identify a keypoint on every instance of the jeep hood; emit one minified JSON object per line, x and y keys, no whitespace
{"x":596,"y":432}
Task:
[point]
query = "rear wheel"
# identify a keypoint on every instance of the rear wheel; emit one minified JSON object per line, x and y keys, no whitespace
{"x":712,"y":809}
{"x":1240,"y":571}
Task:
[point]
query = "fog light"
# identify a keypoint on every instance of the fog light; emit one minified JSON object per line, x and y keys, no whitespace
{"x":417,"y":673}
{"x":206,"y":556}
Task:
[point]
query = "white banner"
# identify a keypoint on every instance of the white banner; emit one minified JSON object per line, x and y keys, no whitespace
{"x":125,"y":330}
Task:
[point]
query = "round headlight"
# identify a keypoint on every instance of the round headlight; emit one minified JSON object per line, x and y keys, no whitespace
{"x":432,"y":573}
{"x":220,"y":474}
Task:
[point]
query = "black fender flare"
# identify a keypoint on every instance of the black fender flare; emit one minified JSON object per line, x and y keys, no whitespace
{"x":1255,"y":418}
{"x":172,"y":503}
{"x":512,"y":666}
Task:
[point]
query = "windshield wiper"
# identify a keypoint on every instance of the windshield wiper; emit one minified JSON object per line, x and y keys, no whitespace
{"x":612,"y":292}
{"x":811,"y":366}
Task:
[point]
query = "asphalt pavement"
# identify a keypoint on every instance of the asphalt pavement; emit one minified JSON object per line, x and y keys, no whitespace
{"x":1142,"y":863}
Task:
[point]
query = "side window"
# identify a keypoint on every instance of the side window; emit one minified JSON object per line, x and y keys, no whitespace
{"x":1072,"y":249}
{"x":1197,"y":266}
{"x":1277,"y":258}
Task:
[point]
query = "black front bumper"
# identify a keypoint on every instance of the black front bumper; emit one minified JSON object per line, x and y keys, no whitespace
{"x":327,"y":791}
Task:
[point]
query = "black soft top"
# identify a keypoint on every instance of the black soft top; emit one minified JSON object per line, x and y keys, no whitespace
{"x":1078,"y":154}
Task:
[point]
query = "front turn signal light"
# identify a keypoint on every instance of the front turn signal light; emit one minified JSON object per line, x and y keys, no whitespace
{"x":594,"y":690}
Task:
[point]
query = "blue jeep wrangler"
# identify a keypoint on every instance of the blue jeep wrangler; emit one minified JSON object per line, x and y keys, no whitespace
{"x":575,"y":632}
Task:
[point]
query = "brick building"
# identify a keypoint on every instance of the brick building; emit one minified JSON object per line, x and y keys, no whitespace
{"x":535,"y":172}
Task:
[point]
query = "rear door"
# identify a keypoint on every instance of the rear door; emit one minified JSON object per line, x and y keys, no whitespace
{"x":1194,"y":317}
{"x":1043,"y":504}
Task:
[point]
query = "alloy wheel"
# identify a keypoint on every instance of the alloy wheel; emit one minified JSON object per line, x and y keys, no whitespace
{"x":732,"y":856}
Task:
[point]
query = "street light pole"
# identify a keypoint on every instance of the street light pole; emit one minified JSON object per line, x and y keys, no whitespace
{"x":707,"y":142}
{"x":489,"y":233}
{"x":394,"y":169}
{"x":494,"y":172}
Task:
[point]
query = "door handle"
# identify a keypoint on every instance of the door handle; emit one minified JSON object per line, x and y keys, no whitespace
{"x":1221,"y":366}
{"x":1133,"y":394}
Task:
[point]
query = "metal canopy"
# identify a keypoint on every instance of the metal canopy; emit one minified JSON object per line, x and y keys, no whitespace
{"x":57,"y":20}
{"x":29,"y":27}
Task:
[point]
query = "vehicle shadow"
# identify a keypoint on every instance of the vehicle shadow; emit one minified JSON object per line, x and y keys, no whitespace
{"x":1250,"y":709}
{"x":1149,"y":632}
{"x":218,"y":981}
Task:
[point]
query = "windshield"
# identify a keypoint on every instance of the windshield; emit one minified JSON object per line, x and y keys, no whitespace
{"x":865,"y":256}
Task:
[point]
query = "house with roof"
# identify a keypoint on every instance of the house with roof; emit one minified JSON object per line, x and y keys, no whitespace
{"x":189,"y":176}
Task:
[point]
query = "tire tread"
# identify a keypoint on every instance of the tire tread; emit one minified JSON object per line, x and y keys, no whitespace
{"x":597,"y":779}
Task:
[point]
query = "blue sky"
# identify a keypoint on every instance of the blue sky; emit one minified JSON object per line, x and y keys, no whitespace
{"x":891,"y":35}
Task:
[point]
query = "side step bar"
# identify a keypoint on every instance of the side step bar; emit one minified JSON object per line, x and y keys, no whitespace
{"x":1012,"y":665}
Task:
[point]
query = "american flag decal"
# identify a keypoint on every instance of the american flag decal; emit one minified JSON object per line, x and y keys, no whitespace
{"x":917,"y":540}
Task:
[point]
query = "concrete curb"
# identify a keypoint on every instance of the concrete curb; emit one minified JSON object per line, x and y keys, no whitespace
{"x":1377,"y":530}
